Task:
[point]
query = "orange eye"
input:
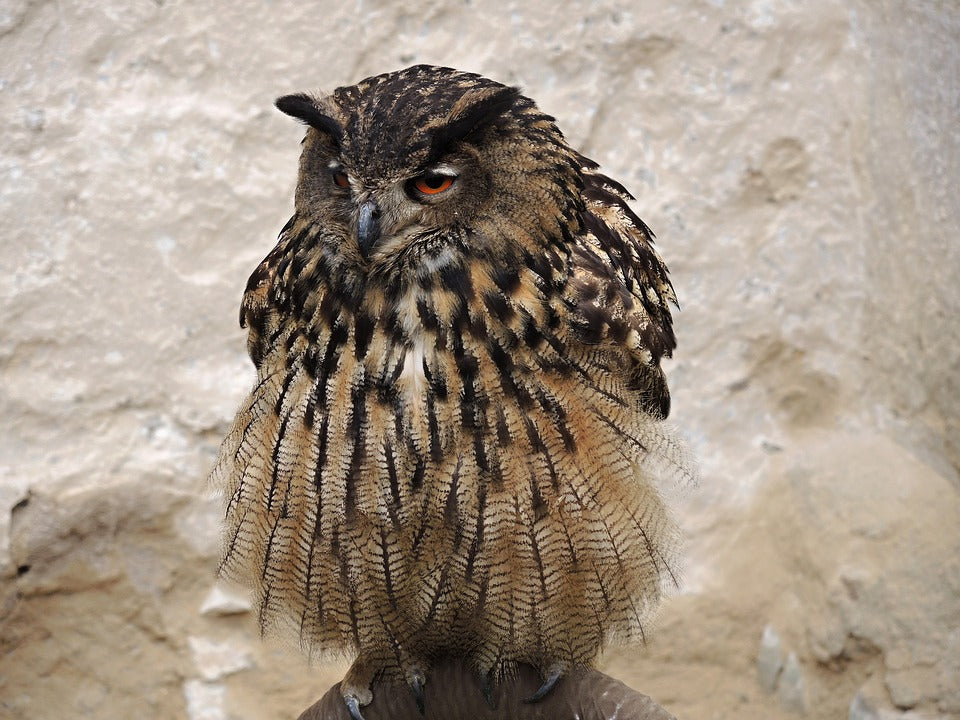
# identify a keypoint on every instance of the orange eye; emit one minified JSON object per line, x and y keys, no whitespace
{"x":433,"y":184}
{"x":340,"y":179}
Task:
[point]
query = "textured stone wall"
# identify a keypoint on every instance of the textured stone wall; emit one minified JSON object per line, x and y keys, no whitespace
{"x":799,"y":163}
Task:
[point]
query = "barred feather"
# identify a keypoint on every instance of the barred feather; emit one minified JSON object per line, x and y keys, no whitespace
{"x":456,"y":444}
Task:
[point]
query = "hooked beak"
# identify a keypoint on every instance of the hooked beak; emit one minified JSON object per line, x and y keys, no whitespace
{"x":368,"y":227}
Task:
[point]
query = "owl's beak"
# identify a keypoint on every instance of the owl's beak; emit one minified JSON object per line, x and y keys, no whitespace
{"x":368,"y":227}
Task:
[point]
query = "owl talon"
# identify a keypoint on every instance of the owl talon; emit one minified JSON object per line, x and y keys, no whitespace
{"x":353,"y":707}
{"x":416,"y":680}
{"x":552,"y":679}
{"x":355,"y":688}
{"x":486,"y":687}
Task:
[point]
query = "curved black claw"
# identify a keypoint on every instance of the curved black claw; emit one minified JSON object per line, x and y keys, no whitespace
{"x":416,"y":685}
{"x":486,"y":687}
{"x":353,"y":707}
{"x":547,"y":686}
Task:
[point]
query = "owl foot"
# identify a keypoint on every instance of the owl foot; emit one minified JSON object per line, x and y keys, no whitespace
{"x":556,"y":672}
{"x":353,"y":707}
{"x":355,"y":687}
{"x":416,"y":680}
{"x":486,"y":687}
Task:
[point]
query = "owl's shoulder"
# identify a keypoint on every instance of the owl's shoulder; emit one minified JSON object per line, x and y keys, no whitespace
{"x":619,"y":290}
{"x":285,"y":288}
{"x":621,"y":285}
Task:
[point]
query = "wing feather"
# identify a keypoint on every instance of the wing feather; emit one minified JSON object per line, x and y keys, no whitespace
{"x":621,"y":292}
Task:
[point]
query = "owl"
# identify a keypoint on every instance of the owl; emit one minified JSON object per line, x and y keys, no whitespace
{"x":455,"y":444}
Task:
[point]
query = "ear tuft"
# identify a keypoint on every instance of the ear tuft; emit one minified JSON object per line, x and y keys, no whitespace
{"x":474,"y":111}
{"x":304,"y":108}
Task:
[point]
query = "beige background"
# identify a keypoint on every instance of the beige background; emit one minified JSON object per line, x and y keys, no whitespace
{"x":799,"y":162}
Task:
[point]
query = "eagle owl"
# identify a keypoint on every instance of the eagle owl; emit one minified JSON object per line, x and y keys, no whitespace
{"x":454,"y":445}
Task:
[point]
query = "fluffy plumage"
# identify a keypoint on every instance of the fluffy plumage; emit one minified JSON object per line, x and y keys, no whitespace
{"x":455,"y":441}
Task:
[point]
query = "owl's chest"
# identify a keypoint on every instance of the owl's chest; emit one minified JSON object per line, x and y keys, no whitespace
{"x":428,"y":357}
{"x":455,"y":357}
{"x":412,"y":378}
{"x":409,"y":345}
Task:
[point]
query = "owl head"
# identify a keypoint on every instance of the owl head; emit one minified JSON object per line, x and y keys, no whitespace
{"x":406,"y":170}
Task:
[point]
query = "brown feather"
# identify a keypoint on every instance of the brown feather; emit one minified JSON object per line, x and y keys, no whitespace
{"x":454,"y":445}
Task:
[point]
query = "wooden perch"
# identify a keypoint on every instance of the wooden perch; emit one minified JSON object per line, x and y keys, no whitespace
{"x":453,"y":692}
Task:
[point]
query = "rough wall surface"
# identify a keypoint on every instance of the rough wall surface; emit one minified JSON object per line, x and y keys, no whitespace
{"x":799,"y":163}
